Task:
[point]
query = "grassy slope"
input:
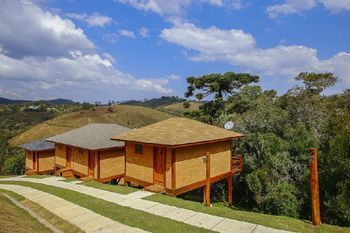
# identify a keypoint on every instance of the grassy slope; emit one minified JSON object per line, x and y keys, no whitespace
{"x":108,"y":187}
{"x":125,"y":115}
{"x":178,"y":108}
{"x":122,"y":214}
{"x":278,"y":222}
{"x":14,"y":219}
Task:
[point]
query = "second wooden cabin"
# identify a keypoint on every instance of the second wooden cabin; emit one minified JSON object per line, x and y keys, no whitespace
{"x":88,"y":152}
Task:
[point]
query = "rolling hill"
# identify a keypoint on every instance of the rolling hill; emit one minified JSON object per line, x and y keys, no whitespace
{"x":125,"y":115}
{"x":53,"y":101}
{"x":179,"y":109}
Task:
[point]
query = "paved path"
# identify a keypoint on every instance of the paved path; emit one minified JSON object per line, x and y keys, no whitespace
{"x":83,"y":218}
{"x":135,"y":201}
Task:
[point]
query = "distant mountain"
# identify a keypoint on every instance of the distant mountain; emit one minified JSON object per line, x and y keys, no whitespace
{"x":54,"y":101}
{"x":9,"y":101}
{"x":60,"y":101}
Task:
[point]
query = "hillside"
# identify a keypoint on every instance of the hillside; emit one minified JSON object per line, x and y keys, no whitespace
{"x":125,"y":115}
{"x":179,"y":109}
{"x":156,"y":102}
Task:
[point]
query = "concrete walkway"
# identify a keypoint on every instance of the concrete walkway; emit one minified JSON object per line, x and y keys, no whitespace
{"x":83,"y":218}
{"x":135,"y":201}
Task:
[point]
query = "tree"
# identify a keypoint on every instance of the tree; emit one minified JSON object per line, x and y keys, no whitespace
{"x":317,"y":82}
{"x":218,"y":84}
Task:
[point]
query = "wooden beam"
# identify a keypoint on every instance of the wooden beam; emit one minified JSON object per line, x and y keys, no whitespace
{"x":173,"y":168}
{"x":229,"y":180}
{"x":314,"y":187}
{"x":207,"y":183}
{"x":98,"y":165}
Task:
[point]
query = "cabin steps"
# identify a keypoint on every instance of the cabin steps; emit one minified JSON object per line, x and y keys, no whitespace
{"x":155,"y":188}
{"x":30,"y":172}
{"x":65,"y":172}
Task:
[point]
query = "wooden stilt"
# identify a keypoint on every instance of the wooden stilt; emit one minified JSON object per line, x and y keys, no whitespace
{"x":204,"y":197}
{"x":207,"y":185}
{"x":229,"y":180}
{"x":314,"y":187}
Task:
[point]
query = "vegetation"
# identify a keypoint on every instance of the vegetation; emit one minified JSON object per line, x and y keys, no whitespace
{"x":222,"y":210}
{"x":108,"y":187}
{"x":156,"y":102}
{"x":122,"y":214}
{"x":278,"y":130}
{"x":14,"y":219}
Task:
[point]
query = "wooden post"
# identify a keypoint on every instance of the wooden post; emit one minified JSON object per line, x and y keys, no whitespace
{"x":229,"y":180}
{"x":314,"y":187}
{"x":207,"y":183}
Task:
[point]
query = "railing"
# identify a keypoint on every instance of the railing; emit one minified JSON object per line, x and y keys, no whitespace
{"x":237,"y":163}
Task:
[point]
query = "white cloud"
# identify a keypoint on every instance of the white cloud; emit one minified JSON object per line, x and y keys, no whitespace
{"x":26,"y":30}
{"x":298,"y":6}
{"x":176,"y":7}
{"x":31,"y":66}
{"x":144,"y":32}
{"x":239,"y":48}
{"x":127,"y":33}
{"x":93,"y":20}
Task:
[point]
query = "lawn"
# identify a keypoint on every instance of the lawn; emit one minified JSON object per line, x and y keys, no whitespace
{"x":278,"y":222}
{"x":15,"y":220}
{"x":122,"y":214}
{"x":109,"y":187}
{"x":43,"y":213}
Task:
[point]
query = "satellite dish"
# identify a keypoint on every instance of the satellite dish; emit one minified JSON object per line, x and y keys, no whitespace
{"x":229,"y":125}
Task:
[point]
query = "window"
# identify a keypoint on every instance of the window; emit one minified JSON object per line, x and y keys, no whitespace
{"x":138,"y":149}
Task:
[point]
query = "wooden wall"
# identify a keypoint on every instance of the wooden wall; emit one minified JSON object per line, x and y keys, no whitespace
{"x":191,"y":163}
{"x":46,"y":160}
{"x":139,"y":166}
{"x":111,"y":163}
{"x":80,"y":158}
{"x":29,"y":159}
{"x":60,"y":155}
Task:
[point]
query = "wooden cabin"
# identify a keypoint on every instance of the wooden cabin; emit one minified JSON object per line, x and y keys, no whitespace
{"x":88,"y":152}
{"x":40,"y":157}
{"x":178,"y":155}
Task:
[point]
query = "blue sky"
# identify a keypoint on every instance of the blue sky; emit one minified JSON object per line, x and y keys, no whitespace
{"x":96,"y":50}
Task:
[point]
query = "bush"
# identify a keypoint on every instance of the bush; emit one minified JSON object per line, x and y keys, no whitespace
{"x":14,"y":165}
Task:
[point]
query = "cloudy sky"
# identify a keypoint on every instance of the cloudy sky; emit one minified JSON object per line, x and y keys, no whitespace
{"x":96,"y":50}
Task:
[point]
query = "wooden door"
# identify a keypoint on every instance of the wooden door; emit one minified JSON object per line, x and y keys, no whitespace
{"x":91,"y":164}
{"x":35,"y":161}
{"x":68,"y":157}
{"x":159,"y":166}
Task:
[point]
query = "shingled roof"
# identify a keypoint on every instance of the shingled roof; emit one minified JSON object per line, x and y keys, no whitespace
{"x":38,"y":145}
{"x":176,"y":132}
{"x":91,"y":137}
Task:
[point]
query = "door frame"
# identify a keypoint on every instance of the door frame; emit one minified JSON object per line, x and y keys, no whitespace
{"x":91,"y":164}
{"x":69,"y":155}
{"x":155,"y":148}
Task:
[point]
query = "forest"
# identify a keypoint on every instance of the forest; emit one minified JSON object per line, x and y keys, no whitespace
{"x":279,"y":130}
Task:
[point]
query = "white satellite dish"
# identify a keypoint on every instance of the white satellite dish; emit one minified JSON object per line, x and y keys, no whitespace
{"x":229,"y":125}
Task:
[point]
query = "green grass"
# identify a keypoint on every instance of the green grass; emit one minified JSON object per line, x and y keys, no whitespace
{"x":109,"y":187}
{"x":3,"y":177}
{"x":44,"y":213}
{"x":278,"y":222}
{"x":16,"y":220}
{"x":122,"y":214}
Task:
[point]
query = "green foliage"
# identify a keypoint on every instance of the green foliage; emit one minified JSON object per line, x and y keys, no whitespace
{"x":186,"y":104}
{"x":14,"y":164}
{"x":337,"y":180}
{"x":279,"y":130}
{"x":218,"y":84}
